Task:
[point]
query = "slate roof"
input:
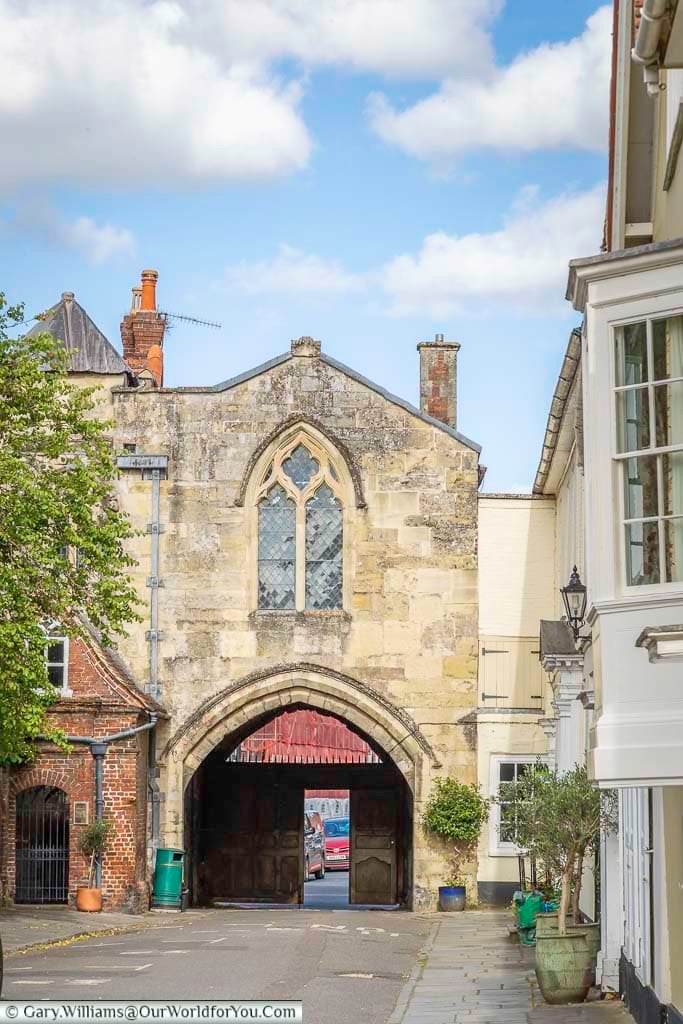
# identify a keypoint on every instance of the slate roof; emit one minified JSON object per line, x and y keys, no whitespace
{"x":89,"y":350}
{"x":556,"y":638}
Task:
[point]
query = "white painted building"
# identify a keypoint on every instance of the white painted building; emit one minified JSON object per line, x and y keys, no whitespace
{"x":631,"y":298}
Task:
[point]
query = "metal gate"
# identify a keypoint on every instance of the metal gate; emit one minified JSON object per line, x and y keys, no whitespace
{"x":42,"y":846}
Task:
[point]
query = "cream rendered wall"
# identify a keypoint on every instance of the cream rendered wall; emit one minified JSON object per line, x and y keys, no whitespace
{"x":503,"y":734}
{"x":569,"y":528}
{"x":516,"y":559}
{"x":516,"y":590}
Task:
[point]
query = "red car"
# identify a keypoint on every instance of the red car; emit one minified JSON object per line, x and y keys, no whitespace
{"x":337,"y":844}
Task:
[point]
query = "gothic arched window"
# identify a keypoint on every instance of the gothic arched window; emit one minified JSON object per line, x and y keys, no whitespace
{"x":300,"y":530}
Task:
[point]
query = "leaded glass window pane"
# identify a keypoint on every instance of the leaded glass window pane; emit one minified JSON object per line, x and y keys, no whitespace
{"x":324,"y":550}
{"x":301,"y":467}
{"x":277,"y":550}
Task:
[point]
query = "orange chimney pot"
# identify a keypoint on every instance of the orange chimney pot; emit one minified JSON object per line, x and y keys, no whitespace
{"x":155,"y":362}
{"x":149,"y":290}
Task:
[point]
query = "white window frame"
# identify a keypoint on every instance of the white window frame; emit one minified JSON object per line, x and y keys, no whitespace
{"x":619,"y":459}
{"x":52,"y":638}
{"x":496,"y":847}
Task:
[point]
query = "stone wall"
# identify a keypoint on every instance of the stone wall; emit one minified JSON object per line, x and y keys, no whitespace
{"x":409,"y":626}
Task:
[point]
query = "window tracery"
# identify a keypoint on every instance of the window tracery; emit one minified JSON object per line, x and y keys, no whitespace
{"x":300,"y":530}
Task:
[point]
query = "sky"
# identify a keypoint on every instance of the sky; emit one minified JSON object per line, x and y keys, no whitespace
{"x":367,"y":172}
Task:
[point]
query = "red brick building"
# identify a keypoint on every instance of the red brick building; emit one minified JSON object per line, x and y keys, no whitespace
{"x":46,"y":805}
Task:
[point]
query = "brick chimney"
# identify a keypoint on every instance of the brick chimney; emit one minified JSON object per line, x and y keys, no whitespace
{"x":142,"y":330}
{"x":439,"y":379}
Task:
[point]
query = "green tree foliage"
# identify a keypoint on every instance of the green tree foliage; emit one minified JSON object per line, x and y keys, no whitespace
{"x":95,"y":841}
{"x":558,"y":819}
{"x":456,"y":811}
{"x":56,"y":499}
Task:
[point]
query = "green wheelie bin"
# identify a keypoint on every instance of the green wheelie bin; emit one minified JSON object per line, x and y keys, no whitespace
{"x":168,"y":878}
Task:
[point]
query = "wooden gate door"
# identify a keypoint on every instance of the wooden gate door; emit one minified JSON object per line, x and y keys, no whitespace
{"x":374,"y":835}
{"x":256,"y":852}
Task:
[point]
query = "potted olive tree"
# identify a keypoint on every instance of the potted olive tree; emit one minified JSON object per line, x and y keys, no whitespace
{"x":93,"y":843}
{"x":456,"y":812}
{"x":558,"y":818}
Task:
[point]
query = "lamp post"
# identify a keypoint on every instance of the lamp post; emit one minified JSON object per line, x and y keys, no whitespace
{"x":574,"y":595}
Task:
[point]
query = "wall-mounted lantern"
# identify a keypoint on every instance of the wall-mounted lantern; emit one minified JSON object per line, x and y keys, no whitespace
{"x":574,"y":595}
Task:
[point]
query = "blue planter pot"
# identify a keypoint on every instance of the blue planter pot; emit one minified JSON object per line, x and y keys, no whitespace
{"x":451,"y":897}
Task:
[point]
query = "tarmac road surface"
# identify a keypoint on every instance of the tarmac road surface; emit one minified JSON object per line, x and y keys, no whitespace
{"x":329,"y":892}
{"x":348,"y":966}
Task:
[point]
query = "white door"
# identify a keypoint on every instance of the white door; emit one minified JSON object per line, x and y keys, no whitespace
{"x":635,"y":816}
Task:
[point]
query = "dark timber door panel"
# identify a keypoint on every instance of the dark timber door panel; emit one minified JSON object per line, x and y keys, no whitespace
{"x":257,"y":851}
{"x":374,"y":826}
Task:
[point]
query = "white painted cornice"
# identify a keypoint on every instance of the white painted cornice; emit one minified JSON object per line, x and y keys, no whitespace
{"x":639,"y":258}
{"x":563,"y":662}
{"x":662,"y":643}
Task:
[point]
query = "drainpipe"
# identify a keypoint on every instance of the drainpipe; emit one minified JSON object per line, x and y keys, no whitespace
{"x":154,"y":468}
{"x":154,"y":792}
{"x":98,"y":749}
{"x":646,"y":49}
{"x":154,"y":582}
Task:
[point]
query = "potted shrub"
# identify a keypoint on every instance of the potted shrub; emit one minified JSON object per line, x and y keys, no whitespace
{"x":456,"y":812}
{"x":558,"y":818}
{"x":93,"y":843}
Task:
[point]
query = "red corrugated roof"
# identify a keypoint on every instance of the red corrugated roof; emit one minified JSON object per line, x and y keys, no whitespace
{"x":307,"y":737}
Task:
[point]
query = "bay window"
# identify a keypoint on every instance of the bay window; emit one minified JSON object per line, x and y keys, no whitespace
{"x":649,"y":447}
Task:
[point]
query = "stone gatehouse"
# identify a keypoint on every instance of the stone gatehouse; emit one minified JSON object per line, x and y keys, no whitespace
{"x":305,"y":539}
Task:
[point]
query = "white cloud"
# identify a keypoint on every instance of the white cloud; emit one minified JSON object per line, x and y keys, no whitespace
{"x":291,"y":271}
{"x":523,"y":265}
{"x":553,"y":96}
{"x":96,"y":243}
{"x":171,"y":92}
{"x":406,"y":38}
{"x":115,"y":93}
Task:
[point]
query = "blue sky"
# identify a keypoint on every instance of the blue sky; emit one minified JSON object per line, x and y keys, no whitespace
{"x":369,"y":183}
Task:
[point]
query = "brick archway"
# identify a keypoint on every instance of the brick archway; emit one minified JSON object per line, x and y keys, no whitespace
{"x":30,"y":777}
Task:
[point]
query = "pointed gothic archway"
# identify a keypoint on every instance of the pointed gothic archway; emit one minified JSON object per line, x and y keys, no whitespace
{"x":195,"y":770}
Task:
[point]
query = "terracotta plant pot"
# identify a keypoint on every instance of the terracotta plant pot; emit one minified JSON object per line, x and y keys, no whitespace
{"x":89,"y":900}
{"x":564,"y":966}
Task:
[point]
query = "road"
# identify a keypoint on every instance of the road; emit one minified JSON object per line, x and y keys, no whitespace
{"x":328,"y":892}
{"x":348,"y":966}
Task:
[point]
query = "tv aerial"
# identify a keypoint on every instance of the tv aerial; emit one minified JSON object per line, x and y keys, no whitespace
{"x":190,"y":319}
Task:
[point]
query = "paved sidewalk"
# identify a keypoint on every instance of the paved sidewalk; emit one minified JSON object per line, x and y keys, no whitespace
{"x":23,"y":927}
{"x":471,"y":972}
